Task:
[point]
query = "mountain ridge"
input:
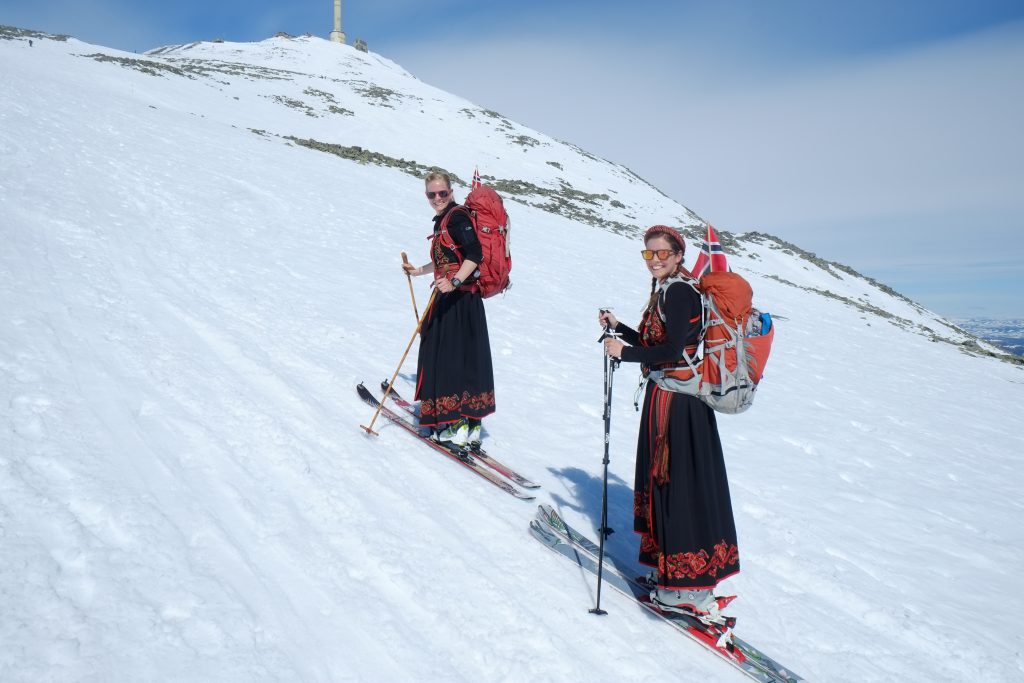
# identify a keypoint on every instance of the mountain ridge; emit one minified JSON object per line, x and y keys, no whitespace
{"x":594,"y":206}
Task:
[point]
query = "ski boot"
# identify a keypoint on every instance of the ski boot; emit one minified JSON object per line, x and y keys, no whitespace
{"x":698,"y":603}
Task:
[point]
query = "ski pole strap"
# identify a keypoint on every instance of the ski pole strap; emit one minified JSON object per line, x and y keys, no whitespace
{"x":639,"y":391}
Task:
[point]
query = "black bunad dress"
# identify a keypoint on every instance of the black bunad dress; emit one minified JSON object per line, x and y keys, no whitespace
{"x":681,"y":504}
{"x":455,"y":378}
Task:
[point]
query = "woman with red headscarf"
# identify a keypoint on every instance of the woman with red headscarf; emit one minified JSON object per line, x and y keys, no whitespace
{"x":681,"y":504}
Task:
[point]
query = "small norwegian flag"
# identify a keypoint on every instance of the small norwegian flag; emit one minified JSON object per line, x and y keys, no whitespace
{"x":476,"y":178}
{"x":711,"y":257}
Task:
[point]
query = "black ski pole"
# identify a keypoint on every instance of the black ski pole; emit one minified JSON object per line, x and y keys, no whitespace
{"x":609,"y":371}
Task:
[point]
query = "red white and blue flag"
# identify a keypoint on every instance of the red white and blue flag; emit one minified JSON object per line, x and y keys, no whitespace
{"x":711,"y":257}
{"x":476,"y":178}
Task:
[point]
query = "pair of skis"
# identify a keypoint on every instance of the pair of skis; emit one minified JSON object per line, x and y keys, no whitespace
{"x":550,"y":529}
{"x":475,"y":459}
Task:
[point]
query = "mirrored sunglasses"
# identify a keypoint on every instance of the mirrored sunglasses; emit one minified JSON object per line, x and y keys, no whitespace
{"x":662,"y":254}
{"x":443,"y":194}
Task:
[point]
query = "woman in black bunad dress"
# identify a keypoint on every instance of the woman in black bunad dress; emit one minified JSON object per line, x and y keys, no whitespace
{"x":454,"y":379}
{"x":681,"y":506}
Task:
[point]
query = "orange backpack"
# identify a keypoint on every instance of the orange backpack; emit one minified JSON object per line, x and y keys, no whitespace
{"x":736,"y":340}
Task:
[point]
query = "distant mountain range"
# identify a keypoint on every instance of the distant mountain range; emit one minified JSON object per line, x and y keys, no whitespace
{"x":1007,"y":334}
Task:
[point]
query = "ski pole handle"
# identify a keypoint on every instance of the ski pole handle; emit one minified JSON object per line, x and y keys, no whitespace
{"x":608,"y":330}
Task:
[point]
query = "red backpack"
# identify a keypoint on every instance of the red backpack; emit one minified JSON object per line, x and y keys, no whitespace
{"x":487,"y":213}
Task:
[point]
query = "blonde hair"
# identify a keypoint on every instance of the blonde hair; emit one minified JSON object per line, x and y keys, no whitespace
{"x":438,"y":175}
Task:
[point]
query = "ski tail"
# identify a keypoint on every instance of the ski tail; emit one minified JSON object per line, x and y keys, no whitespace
{"x":464,"y":458}
{"x":482,"y":455}
{"x":575,"y":544}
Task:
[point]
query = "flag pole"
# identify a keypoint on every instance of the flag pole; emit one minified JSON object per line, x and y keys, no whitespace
{"x":707,"y":245}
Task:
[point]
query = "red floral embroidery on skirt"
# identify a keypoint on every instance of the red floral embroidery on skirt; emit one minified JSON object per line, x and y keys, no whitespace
{"x":690,"y":565}
{"x":444,"y":405}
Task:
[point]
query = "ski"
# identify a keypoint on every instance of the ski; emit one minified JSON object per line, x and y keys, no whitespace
{"x":464,"y":458}
{"x":553,"y":531}
{"x":478,"y":452}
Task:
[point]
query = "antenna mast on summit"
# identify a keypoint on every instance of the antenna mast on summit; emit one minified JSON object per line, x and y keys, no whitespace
{"x":337,"y":35}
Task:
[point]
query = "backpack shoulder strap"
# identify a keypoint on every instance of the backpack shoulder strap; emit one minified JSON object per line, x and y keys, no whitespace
{"x":691,"y":356}
{"x":663,"y":288}
{"x":695,"y":286}
{"x":446,"y":238}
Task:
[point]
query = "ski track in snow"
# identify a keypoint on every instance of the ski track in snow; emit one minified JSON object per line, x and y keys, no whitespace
{"x":185,"y":493}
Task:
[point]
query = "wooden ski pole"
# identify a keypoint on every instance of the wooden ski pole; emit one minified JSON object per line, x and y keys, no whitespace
{"x":405,"y":259}
{"x":419,"y":325}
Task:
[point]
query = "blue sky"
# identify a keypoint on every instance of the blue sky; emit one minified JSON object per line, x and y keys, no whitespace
{"x":884,"y":135}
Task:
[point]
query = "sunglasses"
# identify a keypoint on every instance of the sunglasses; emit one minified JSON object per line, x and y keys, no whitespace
{"x":662,"y":254}
{"x":443,"y":194}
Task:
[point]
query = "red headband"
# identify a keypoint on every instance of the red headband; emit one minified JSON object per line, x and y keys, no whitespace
{"x":668,"y":232}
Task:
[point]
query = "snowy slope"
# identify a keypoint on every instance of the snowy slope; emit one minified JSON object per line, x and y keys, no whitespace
{"x":188,"y":297}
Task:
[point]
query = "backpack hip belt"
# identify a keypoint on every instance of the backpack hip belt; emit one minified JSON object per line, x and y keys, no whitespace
{"x":680,"y":379}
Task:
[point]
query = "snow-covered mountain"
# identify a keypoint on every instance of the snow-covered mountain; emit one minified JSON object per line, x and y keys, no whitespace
{"x":201,"y":251}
